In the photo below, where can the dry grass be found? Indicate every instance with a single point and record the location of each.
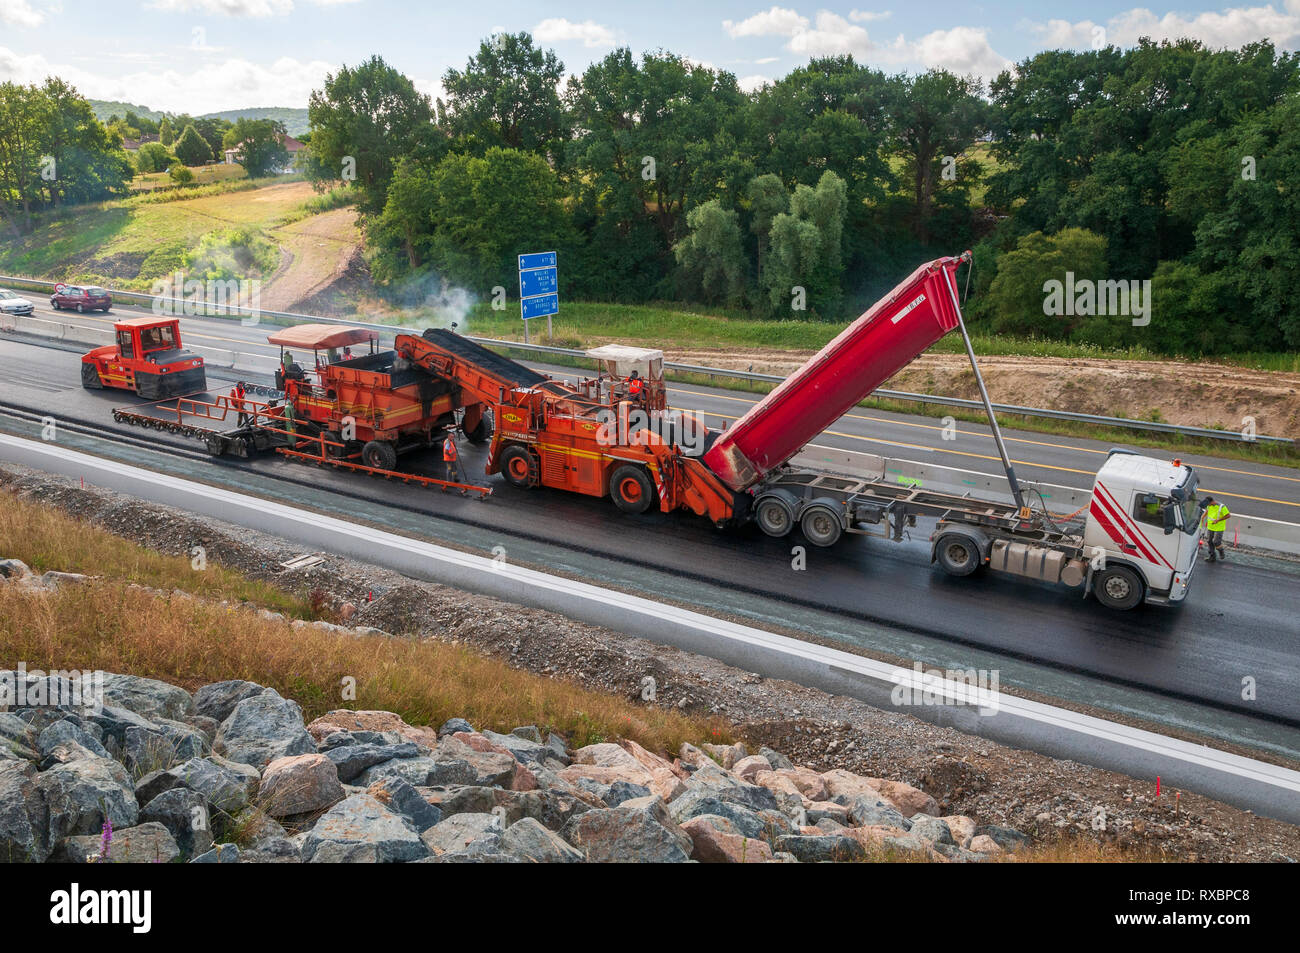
(111, 627)
(1075, 849)
(48, 539)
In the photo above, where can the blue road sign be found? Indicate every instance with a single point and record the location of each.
(541, 259)
(540, 306)
(539, 281)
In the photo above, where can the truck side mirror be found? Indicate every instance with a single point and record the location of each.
(1171, 519)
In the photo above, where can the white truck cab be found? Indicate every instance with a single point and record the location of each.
(1143, 530)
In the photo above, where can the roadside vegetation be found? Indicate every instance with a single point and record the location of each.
(106, 624)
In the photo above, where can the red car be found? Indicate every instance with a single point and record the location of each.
(89, 298)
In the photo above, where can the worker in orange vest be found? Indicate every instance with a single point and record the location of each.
(451, 457)
(237, 401)
(635, 386)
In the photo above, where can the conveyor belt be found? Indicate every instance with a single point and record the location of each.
(490, 361)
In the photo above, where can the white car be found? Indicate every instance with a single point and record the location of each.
(11, 303)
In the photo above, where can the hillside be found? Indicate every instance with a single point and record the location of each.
(105, 110)
(295, 120)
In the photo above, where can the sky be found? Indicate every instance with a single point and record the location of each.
(200, 56)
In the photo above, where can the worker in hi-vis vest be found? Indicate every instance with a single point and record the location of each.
(1216, 521)
(451, 457)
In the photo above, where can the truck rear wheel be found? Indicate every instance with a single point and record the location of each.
(90, 378)
(773, 516)
(957, 554)
(1118, 588)
(379, 455)
(821, 525)
(518, 466)
(631, 489)
(482, 431)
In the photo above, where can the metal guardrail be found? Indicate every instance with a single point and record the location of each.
(1126, 423)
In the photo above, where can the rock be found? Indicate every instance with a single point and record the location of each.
(961, 827)
(637, 831)
(489, 767)
(169, 743)
(453, 725)
(552, 809)
(264, 727)
(822, 810)
(727, 787)
(530, 840)
(693, 804)
(464, 834)
(14, 569)
(868, 810)
(1008, 838)
(821, 848)
(147, 697)
(557, 748)
(776, 759)
(218, 700)
(908, 844)
(710, 845)
(148, 843)
(908, 799)
(343, 719)
(18, 737)
(114, 721)
(351, 760)
(809, 783)
(300, 784)
(621, 791)
(847, 785)
(220, 854)
(81, 795)
(155, 783)
(746, 768)
(829, 825)
(667, 780)
(226, 792)
(726, 755)
(419, 771)
(525, 750)
(401, 797)
(984, 844)
(528, 733)
(53, 579)
(931, 830)
(359, 829)
(776, 783)
(67, 732)
(185, 815)
(23, 815)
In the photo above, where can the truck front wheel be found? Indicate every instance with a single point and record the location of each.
(519, 466)
(90, 378)
(631, 489)
(957, 554)
(1118, 588)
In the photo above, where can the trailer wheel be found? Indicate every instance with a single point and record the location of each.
(821, 525)
(482, 431)
(773, 516)
(379, 455)
(631, 489)
(1118, 588)
(90, 378)
(519, 467)
(959, 555)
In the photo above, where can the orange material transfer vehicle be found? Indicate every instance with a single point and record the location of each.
(360, 398)
(146, 357)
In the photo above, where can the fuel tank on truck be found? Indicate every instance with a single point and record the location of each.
(897, 328)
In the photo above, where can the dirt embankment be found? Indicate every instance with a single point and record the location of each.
(1191, 394)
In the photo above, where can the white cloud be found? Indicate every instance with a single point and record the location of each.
(763, 61)
(256, 9)
(1231, 27)
(750, 83)
(210, 87)
(867, 16)
(558, 30)
(962, 50)
(777, 21)
(832, 36)
(20, 13)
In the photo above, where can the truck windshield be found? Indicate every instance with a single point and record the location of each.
(156, 339)
(1191, 509)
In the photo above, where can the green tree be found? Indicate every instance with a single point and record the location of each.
(364, 121)
(507, 95)
(805, 249)
(166, 134)
(180, 173)
(712, 256)
(191, 148)
(261, 145)
(1017, 298)
(767, 198)
(153, 157)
